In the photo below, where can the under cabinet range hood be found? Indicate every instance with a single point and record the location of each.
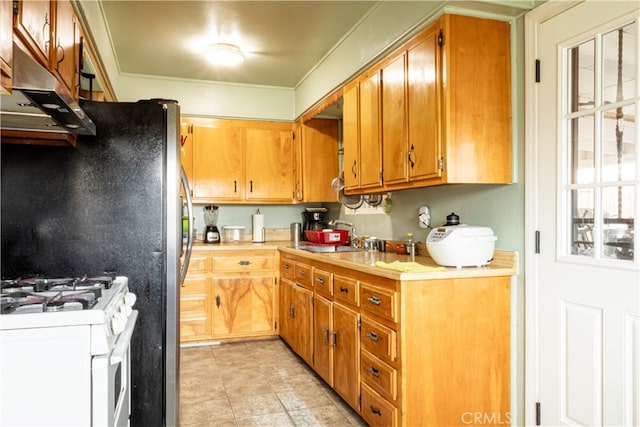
(39, 103)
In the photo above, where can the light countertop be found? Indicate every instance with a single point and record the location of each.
(505, 263)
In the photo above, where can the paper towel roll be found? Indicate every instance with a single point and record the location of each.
(258, 227)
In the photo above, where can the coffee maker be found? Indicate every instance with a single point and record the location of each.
(211, 233)
(313, 219)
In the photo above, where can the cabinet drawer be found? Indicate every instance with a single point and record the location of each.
(194, 285)
(379, 376)
(378, 340)
(378, 301)
(346, 290)
(193, 328)
(323, 282)
(197, 264)
(191, 306)
(248, 263)
(287, 268)
(376, 411)
(303, 275)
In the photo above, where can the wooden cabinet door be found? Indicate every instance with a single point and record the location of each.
(33, 26)
(195, 321)
(302, 323)
(394, 126)
(424, 112)
(322, 348)
(298, 165)
(6, 45)
(285, 308)
(218, 162)
(320, 159)
(370, 140)
(65, 60)
(346, 354)
(186, 152)
(351, 137)
(269, 163)
(242, 305)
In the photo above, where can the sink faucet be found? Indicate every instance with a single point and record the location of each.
(354, 237)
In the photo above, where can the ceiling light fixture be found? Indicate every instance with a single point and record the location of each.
(224, 54)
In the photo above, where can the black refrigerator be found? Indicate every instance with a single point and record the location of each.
(112, 203)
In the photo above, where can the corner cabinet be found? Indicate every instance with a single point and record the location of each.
(402, 353)
(445, 103)
(316, 160)
(229, 294)
(239, 161)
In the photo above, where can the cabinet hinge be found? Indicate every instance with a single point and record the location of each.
(537, 71)
(275, 325)
(15, 7)
(441, 163)
(538, 413)
(440, 39)
(360, 401)
(382, 176)
(190, 129)
(537, 242)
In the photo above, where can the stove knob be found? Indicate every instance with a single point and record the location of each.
(118, 323)
(124, 309)
(130, 298)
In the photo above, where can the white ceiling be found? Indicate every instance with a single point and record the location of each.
(282, 40)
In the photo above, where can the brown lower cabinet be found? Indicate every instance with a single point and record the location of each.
(401, 352)
(229, 294)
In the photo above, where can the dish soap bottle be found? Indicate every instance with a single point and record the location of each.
(411, 245)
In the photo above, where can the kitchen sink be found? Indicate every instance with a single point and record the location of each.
(327, 248)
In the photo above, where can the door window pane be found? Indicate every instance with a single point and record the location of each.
(617, 222)
(582, 204)
(618, 144)
(619, 67)
(581, 72)
(581, 134)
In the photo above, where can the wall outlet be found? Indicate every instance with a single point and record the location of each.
(424, 217)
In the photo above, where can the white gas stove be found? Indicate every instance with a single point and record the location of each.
(67, 343)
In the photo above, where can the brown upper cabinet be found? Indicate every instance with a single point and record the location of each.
(444, 110)
(238, 161)
(315, 160)
(6, 45)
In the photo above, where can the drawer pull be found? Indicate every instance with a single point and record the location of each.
(375, 410)
(372, 336)
(335, 339)
(345, 290)
(285, 266)
(326, 335)
(218, 301)
(244, 262)
(302, 273)
(320, 280)
(374, 300)
(291, 311)
(374, 371)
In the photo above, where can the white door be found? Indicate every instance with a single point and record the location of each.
(583, 341)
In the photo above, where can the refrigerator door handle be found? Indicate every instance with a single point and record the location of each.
(187, 256)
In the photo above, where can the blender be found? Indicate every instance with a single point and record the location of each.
(211, 233)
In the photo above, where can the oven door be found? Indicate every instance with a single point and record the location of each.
(111, 381)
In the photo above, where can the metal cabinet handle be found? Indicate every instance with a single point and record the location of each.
(374, 300)
(344, 290)
(335, 339)
(59, 48)
(218, 301)
(320, 280)
(243, 262)
(251, 186)
(353, 169)
(372, 336)
(326, 335)
(376, 411)
(285, 266)
(410, 157)
(235, 186)
(374, 371)
(291, 311)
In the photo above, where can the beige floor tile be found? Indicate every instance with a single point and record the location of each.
(281, 419)
(327, 416)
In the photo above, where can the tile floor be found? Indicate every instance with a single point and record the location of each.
(256, 383)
